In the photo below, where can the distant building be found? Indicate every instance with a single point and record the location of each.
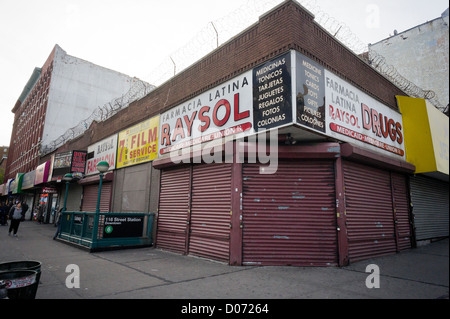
(421, 55)
(65, 91)
(3, 158)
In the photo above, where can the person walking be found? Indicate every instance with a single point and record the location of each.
(3, 214)
(24, 209)
(16, 216)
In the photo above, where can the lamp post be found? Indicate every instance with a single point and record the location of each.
(102, 167)
(67, 178)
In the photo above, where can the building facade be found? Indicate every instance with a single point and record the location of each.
(425, 46)
(57, 97)
(281, 147)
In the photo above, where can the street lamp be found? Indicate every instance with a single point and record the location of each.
(102, 167)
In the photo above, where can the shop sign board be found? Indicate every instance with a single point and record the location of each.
(122, 226)
(28, 180)
(272, 97)
(68, 162)
(223, 111)
(288, 89)
(42, 171)
(138, 144)
(328, 104)
(105, 150)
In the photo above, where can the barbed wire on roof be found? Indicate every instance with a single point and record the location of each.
(138, 90)
(220, 31)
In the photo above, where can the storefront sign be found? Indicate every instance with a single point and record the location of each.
(138, 144)
(310, 97)
(328, 104)
(355, 117)
(105, 150)
(41, 175)
(68, 162)
(49, 190)
(220, 112)
(28, 180)
(272, 93)
(121, 226)
(426, 136)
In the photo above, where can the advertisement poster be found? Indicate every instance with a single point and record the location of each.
(138, 144)
(310, 93)
(105, 150)
(355, 117)
(68, 162)
(272, 104)
(223, 111)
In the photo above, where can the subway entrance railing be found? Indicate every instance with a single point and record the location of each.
(99, 231)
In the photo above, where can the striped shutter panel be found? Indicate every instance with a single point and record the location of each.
(173, 209)
(402, 213)
(289, 218)
(369, 213)
(90, 197)
(430, 207)
(210, 211)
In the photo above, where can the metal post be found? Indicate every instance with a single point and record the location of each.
(97, 214)
(97, 210)
(65, 196)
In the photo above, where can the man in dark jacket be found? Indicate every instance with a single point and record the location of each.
(16, 216)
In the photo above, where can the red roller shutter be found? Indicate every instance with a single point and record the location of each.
(369, 213)
(289, 218)
(210, 211)
(173, 209)
(90, 197)
(402, 216)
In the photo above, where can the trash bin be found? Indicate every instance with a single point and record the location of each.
(20, 284)
(23, 265)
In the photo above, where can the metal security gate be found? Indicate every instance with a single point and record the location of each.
(377, 211)
(402, 216)
(90, 197)
(289, 218)
(174, 201)
(429, 198)
(194, 210)
(210, 211)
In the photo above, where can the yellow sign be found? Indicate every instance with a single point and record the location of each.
(138, 144)
(426, 135)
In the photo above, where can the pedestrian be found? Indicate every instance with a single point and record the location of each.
(16, 216)
(40, 213)
(24, 208)
(58, 222)
(3, 214)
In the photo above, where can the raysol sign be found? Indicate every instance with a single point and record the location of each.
(327, 104)
(354, 116)
(223, 111)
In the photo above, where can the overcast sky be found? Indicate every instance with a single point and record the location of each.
(135, 36)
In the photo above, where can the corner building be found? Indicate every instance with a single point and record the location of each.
(340, 190)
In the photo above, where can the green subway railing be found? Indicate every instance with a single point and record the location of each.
(98, 231)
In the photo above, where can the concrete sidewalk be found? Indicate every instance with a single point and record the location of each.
(421, 273)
